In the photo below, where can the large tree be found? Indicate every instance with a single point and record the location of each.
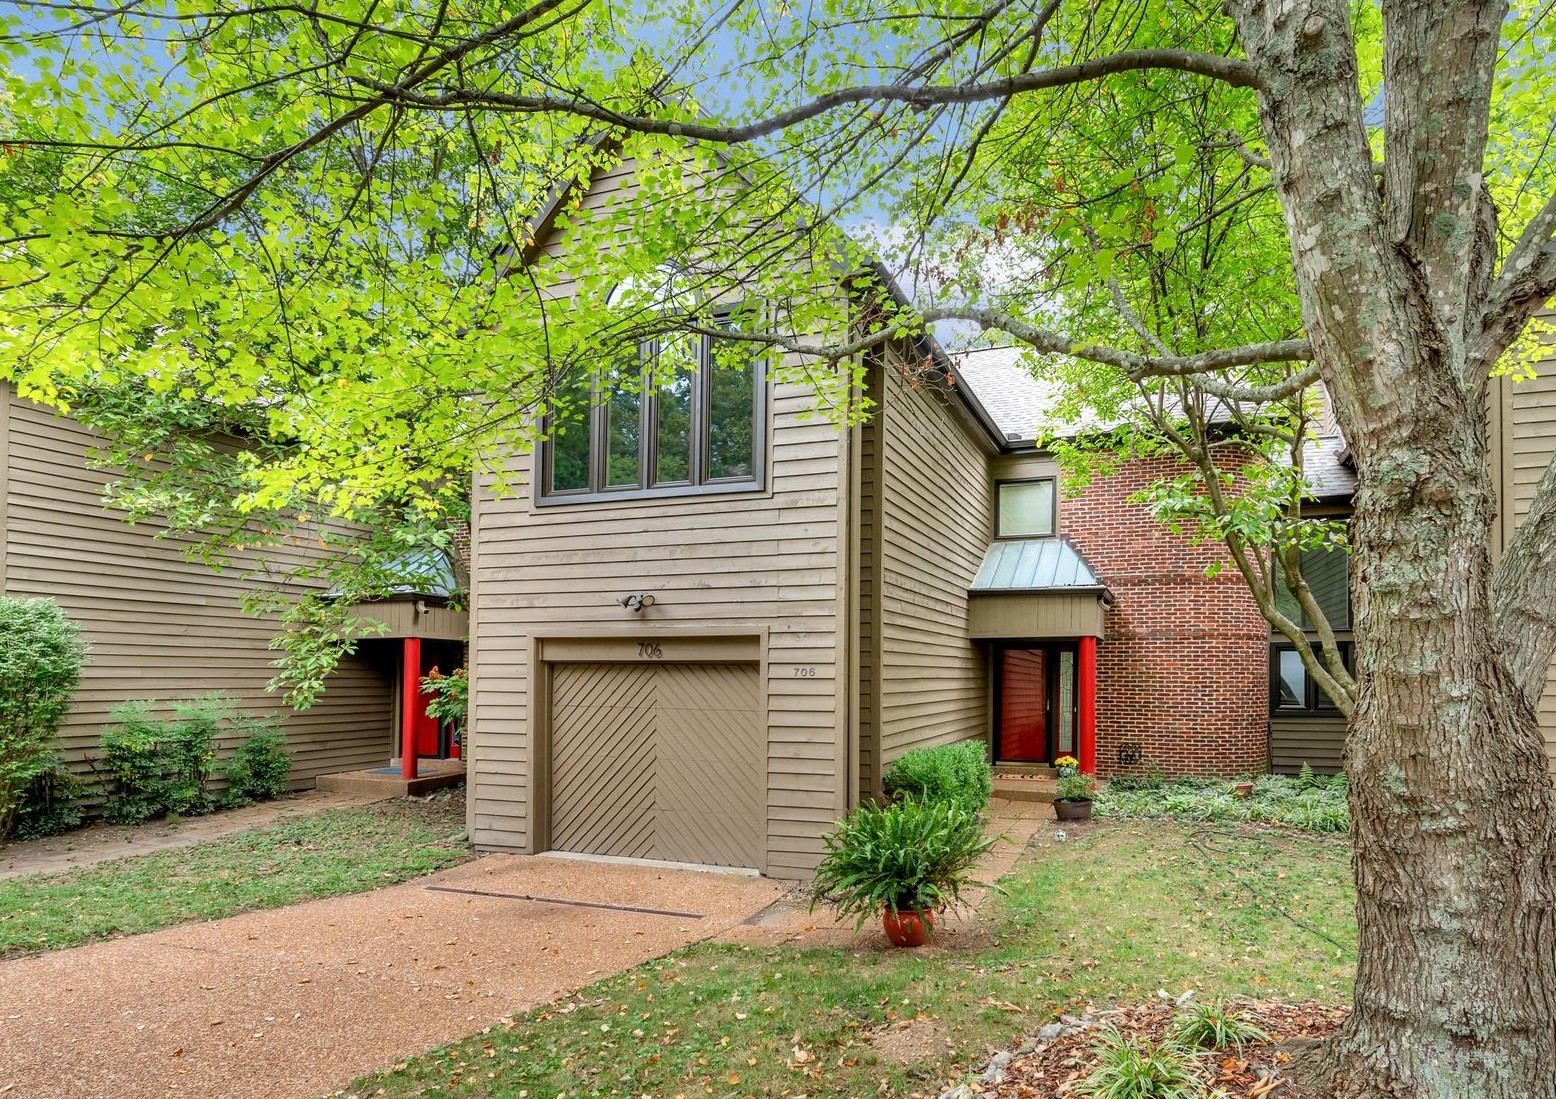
(323, 212)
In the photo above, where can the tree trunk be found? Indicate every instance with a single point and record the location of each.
(1450, 796)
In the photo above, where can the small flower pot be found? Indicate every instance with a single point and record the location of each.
(1242, 789)
(908, 928)
(1073, 809)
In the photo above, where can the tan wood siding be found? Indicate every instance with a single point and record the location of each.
(161, 626)
(403, 618)
(867, 723)
(1530, 412)
(1316, 741)
(1032, 617)
(765, 563)
(935, 525)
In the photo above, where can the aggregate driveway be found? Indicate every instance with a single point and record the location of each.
(300, 1001)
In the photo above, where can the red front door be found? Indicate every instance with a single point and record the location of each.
(1023, 723)
(1035, 695)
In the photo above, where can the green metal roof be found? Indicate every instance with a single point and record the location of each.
(1036, 564)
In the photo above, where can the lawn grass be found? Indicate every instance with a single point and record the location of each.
(345, 850)
(1114, 913)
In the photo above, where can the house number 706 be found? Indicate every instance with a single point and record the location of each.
(649, 650)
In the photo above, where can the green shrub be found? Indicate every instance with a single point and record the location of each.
(155, 766)
(261, 766)
(1129, 1069)
(1313, 803)
(1214, 1024)
(951, 772)
(51, 804)
(41, 653)
(908, 855)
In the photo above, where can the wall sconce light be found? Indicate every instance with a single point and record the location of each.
(636, 603)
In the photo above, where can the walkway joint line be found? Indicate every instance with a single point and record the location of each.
(560, 900)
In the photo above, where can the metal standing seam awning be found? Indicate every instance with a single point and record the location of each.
(1031, 589)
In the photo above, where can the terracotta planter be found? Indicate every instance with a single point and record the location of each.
(1242, 789)
(908, 928)
(1077, 809)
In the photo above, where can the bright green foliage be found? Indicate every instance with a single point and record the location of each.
(909, 855)
(41, 652)
(156, 766)
(1132, 1068)
(1314, 804)
(957, 773)
(260, 767)
(1214, 1024)
(450, 697)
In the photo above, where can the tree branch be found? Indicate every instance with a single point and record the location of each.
(1135, 365)
(1526, 282)
(1229, 70)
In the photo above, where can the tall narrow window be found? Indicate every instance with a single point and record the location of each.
(731, 405)
(677, 363)
(570, 436)
(624, 425)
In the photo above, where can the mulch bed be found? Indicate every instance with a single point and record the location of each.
(1257, 1072)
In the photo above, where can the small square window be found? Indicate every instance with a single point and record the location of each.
(1026, 509)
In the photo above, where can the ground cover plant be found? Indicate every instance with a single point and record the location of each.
(338, 851)
(1314, 803)
(1107, 915)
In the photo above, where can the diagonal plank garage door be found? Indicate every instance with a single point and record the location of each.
(661, 761)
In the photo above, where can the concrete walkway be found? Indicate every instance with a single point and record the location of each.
(102, 842)
(299, 1001)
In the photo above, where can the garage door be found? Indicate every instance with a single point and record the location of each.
(661, 761)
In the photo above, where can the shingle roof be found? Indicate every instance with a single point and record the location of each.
(1020, 404)
(1038, 564)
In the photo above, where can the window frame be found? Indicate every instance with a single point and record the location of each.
(1315, 703)
(999, 512)
(698, 483)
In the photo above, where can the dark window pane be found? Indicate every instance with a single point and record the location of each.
(570, 435)
(1325, 571)
(1026, 509)
(624, 425)
(1291, 681)
(731, 411)
(675, 368)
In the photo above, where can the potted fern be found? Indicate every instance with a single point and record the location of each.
(904, 862)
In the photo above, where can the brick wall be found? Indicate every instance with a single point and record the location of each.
(1183, 666)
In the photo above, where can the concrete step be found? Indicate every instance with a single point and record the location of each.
(1039, 788)
(431, 774)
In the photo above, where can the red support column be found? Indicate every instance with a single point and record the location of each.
(1087, 704)
(410, 696)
